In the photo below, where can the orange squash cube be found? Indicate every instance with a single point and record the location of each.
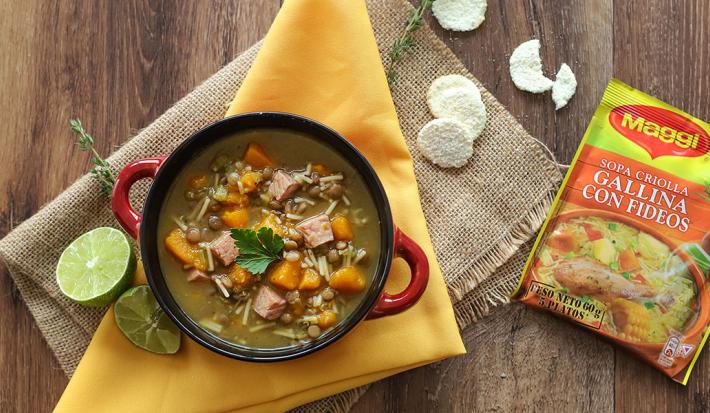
(240, 277)
(326, 319)
(311, 280)
(235, 198)
(188, 254)
(250, 180)
(269, 221)
(348, 280)
(342, 231)
(256, 156)
(235, 217)
(286, 274)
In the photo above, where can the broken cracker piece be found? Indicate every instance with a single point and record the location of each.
(526, 68)
(564, 86)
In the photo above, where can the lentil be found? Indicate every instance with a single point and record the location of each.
(214, 222)
(333, 256)
(193, 235)
(327, 294)
(313, 331)
(293, 256)
(335, 191)
(290, 245)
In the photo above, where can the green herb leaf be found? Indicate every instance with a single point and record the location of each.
(584, 298)
(406, 43)
(626, 275)
(649, 304)
(612, 226)
(254, 263)
(614, 265)
(257, 249)
(102, 171)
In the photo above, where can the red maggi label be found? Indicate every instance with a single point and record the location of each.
(659, 131)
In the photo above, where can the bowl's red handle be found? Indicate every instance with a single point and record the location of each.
(128, 217)
(406, 248)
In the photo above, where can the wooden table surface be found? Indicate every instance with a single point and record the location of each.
(119, 64)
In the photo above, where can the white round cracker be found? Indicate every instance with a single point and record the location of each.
(461, 104)
(447, 82)
(459, 15)
(446, 142)
(564, 87)
(526, 68)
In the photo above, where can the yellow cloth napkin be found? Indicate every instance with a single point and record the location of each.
(319, 60)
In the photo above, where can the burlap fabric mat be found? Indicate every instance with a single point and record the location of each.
(478, 215)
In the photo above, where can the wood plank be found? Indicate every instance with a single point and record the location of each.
(117, 66)
(662, 49)
(30, 377)
(519, 360)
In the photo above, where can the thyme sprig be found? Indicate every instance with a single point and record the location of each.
(405, 43)
(101, 170)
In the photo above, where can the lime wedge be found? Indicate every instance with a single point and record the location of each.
(96, 267)
(143, 322)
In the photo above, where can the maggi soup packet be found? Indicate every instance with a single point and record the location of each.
(625, 249)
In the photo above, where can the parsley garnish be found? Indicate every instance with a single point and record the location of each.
(649, 304)
(257, 250)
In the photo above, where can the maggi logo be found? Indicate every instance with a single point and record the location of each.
(659, 131)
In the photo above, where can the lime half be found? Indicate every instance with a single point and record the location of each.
(96, 267)
(141, 320)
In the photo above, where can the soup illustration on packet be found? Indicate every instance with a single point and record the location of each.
(625, 250)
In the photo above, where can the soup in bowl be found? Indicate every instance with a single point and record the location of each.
(648, 287)
(268, 236)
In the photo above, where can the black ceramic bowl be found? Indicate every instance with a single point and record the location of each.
(164, 170)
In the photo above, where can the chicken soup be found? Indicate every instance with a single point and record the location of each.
(269, 239)
(625, 249)
(647, 289)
